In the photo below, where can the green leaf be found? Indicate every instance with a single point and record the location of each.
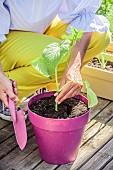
(64, 49)
(51, 54)
(92, 98)
(43, 67)
(73, 30)
(69, 37)
(65, 46)
(79, 35)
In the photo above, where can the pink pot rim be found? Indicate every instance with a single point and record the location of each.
(57, 124)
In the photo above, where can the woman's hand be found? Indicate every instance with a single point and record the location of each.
(7, 88)
(72, 89)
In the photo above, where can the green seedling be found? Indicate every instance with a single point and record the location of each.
(53, 55)
(102, 61)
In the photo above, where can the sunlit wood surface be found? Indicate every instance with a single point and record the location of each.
(96, 151)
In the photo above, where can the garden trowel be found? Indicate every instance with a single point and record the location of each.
(19, 124)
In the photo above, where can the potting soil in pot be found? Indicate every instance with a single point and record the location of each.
(95, 63)
(70, 108)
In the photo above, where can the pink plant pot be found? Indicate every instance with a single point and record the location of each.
(58, 139)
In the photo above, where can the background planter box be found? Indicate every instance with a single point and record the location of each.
(101, 81)
(110, 47)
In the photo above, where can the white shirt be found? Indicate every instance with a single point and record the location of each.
(36, 15)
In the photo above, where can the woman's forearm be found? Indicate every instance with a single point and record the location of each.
(73, 70)
(78, 52)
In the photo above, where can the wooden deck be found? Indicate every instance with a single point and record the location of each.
(96, 152)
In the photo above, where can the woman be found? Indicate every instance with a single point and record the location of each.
(26, 27)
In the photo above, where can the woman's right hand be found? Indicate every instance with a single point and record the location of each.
(7, 88)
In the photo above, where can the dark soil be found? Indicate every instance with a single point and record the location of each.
(70, 108)
(95, 63)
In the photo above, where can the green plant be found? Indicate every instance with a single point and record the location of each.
(102, 61)
(54, 54)
(106, 9)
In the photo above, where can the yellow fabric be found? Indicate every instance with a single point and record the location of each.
(21, 48)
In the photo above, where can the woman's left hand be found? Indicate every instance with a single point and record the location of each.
(73, 88)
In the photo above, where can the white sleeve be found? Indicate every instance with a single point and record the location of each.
(81, 15)
(4, 21)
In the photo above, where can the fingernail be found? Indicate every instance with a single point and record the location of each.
(55, 94)
(59, 102)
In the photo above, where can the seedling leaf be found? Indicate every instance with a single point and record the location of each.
(51, 54)
(64, 49)
(79, 35)
(92, 98)
(73, 31)
(65, 46)
(44, 68)
(69, 37)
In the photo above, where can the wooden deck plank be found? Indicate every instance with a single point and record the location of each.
(102, 103)
(92, 132)
(3, 123)
(8, 131)
(14, 157)
(100, 158)
(46, 166)
(109, 166)
(110, 123)
(10, 144)
(29, 162)
(106, 113)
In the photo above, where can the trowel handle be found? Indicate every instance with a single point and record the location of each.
(12, 107)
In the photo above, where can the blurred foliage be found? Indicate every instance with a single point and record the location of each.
(106, 9)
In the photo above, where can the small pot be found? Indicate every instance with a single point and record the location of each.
(58, 139)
